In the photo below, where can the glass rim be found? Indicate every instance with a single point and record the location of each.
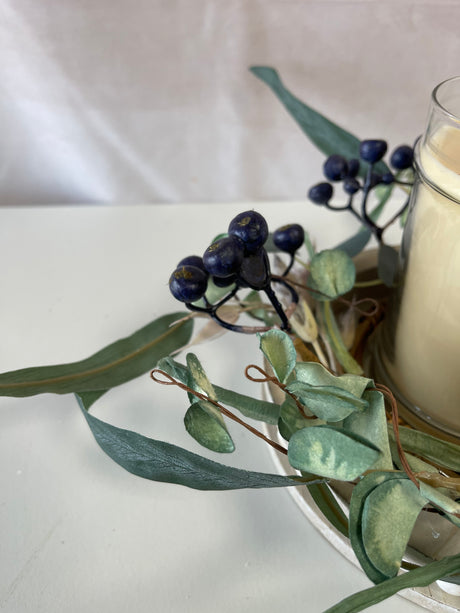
(421, 175)
(436, 93)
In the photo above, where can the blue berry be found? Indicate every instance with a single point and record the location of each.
(251, 228)
(193, 260)
(353, 168)
(188, 283)
(335, 168)
(224, 257)
(224, 281)
(320, 193)
(402, 157)
(372, 151)
(351, 186)
(388, 178)
(289, 238)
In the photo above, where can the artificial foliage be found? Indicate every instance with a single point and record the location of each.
(334, 423)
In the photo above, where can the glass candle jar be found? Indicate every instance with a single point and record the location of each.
(418, 353)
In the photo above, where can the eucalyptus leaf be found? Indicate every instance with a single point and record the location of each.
(419, 577)
(360, 492)
(356, 243)
(197, 377)
(389, 514)
(161, 461)
(330, 452)
(314, 373)
(248, 406)
(426, 446)
(291, 419)
(329, 507)
(439, 500)
(335, 338)
(115, 364)
(372, 425)
(325, 134)
(332, 274)
(388, 263)
(279, 350)
(207, 429)
(203, 420)
(329, 403)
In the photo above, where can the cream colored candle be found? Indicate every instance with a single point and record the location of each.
(426, 364)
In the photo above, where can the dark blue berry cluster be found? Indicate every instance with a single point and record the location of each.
(337, 168)
(237, 260)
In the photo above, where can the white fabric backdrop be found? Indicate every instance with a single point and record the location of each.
(115, 101)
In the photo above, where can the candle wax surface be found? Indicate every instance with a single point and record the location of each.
(426, 367)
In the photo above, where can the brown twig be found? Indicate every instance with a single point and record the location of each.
(395, 423)
(171, 381)
(271, 379)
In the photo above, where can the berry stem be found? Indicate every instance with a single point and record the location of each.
(278, 308)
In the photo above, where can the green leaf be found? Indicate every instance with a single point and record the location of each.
(279, 350)
(330, 452)
(372, 426)
(315, 374)
(389, 514)
(329, 403)
(419, 577)
(161, 461)
(335, 338)
(198, 379)
(291, 419)
(208, 430)
(332, 274)
(439, 500)
(247, 405)
(325, 134)
(329, 507)
(440, 452)
(115, 364)
(388, 262)
(355, 244)
(360, 492)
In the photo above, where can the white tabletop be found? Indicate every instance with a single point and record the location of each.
(78, 533)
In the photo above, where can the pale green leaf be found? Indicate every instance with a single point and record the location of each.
(330, 452)
(332, 274)
(279, 350)
(360, 492)
(314, 373)
(439, 499)
(291, 419)
(372, 426)
(207, 429)
(389, 514)
(329, 403)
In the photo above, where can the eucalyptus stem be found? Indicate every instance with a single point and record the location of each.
(344, 357)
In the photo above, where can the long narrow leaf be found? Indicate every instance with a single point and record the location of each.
(419, 577)
(161, 461)
(117, 363)
(324, 133)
